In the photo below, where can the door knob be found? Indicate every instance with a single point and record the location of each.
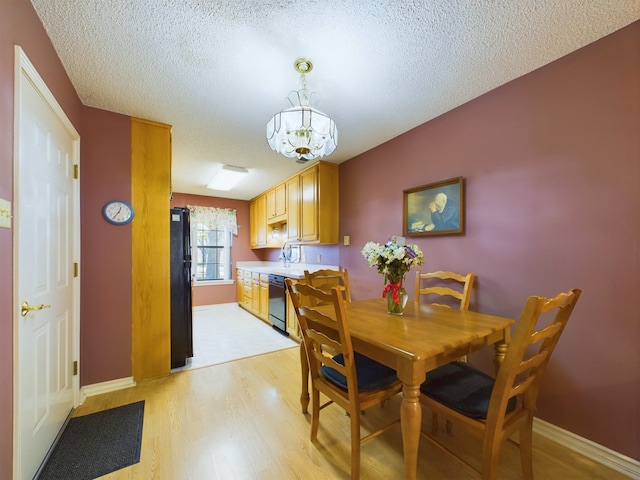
(26, 308)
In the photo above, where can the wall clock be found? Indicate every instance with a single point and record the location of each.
(117, 212)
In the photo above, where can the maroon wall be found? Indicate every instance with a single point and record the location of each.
(214, 294)
(19, 25)
(105, 308)
(551, 162)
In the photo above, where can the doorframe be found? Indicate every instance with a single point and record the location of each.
(22, 65)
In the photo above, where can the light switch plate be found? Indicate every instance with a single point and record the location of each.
(5, 213)
(347, 240)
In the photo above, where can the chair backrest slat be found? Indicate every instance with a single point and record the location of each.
(441, 284)
(522, 386)
(532, 362)
(326, 279)
(443, 292)
(559, 301)
(547, 332)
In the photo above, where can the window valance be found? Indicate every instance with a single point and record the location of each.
(215, 218)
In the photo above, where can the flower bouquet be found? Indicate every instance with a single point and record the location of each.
(393, 260)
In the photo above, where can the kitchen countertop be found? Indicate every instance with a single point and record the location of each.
(293, 270)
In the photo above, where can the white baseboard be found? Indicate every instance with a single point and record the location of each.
(614, 460)
(110, 386)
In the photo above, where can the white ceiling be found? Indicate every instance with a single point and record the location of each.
(217, 71)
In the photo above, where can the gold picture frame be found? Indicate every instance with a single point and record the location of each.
(434, 209)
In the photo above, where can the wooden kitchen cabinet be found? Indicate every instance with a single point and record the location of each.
(253, 296)
(312, 204)
(258, 221)
(276, 204)
(309, 205)
(252, 292)
(318, 204)
(253, 219)
(310, 208)
(293, 208)
(255, 293)
(240, 286)
(263, 311)
(248, 290)
(293, 328)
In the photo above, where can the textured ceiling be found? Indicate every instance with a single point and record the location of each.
(217, 71)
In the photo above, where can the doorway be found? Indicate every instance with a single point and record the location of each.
(46, 274)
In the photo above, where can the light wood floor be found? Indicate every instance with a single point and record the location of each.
(242, 421)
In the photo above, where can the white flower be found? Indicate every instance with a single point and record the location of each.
(392, 260)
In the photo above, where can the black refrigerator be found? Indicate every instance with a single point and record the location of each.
(181, 313)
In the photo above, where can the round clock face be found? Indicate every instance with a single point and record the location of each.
(118, 212)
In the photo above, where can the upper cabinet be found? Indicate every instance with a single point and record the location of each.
(308, 211)
(277, 204)
(318, 204)
(304, 208)
(293, 208)
(258, 222)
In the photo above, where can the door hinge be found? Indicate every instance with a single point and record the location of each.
(75, 269)
(76, 171)
(75, 367)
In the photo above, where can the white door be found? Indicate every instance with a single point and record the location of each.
(46, 242)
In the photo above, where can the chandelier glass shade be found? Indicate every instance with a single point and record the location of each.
(302, 132)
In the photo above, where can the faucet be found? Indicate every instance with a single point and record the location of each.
(285, 253)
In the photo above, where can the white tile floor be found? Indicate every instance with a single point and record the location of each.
(226, 332)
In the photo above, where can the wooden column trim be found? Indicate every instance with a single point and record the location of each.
(150, 195)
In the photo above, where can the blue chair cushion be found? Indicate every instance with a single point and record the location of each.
(371, 375)
(462, 388)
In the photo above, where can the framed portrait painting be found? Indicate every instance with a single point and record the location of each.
(434, 209)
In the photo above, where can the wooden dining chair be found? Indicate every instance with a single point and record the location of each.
(434, 287)
(326, 279)
(350, 380)
(444, 288)
(492, 410)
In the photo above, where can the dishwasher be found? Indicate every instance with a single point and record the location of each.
(278, 303)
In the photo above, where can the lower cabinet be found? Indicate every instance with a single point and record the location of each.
(239, 286)
(263, 311)
(253, 295)
(248, 291)
(293, 328)
(252, 292)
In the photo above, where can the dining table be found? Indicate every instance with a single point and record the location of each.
(423, 338)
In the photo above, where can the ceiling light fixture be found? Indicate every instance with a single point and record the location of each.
(227, 177)
(302, 131)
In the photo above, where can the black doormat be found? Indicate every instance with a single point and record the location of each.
(97, 444)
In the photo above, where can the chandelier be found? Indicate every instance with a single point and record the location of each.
(302, 131)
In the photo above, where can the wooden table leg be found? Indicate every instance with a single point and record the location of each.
(410, 420)
(304, 366)
(501, 351)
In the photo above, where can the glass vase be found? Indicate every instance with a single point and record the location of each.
(397, 308)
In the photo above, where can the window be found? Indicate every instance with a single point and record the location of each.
(212, 253)
(212, 231)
